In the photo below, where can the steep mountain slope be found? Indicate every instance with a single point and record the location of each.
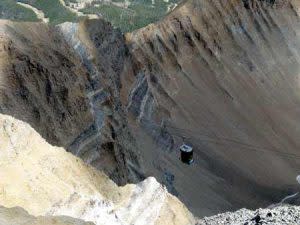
(47, 181)
(224, 76)
(45, 83)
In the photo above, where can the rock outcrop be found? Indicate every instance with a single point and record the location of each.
(102, 52)
(47, 181)
(285, 214)
(70, 102)
(18, 216)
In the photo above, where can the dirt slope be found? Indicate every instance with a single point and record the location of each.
(225, 74)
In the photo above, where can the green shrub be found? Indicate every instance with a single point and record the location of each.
(9, 9)
(53, 10)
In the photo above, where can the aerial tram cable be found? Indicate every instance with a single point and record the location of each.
(188, 134)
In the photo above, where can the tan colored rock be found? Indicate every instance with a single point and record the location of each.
(47, 181)
(18, 216)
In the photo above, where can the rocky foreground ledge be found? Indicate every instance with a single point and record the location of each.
(280, 215)
(41, 184)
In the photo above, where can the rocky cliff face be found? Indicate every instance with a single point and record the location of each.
(102, 51)
(70, 97)
(222, 76)
(52, 185)
(42, 82)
